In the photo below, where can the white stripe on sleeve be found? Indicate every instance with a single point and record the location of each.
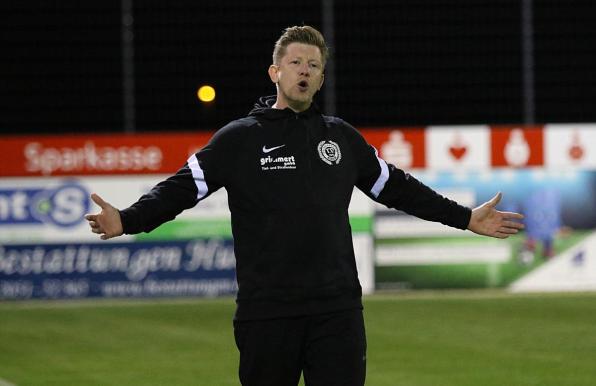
(199, 176)
(383, 177)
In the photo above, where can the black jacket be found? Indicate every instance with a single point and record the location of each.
(289, 178)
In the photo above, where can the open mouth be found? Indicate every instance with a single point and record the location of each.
(303, 85)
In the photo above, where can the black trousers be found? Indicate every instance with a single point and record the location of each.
(329, 349)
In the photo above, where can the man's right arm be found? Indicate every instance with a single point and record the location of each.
(163, 203)
(204, 173)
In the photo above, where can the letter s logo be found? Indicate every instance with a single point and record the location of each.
(70, 205)
(64, 206)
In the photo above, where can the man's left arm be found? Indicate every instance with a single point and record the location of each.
(397, 189)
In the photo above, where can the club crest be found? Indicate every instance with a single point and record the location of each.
(329, 152)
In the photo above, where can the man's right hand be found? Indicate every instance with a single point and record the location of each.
(106, 223)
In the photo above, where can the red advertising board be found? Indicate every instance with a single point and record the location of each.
(403, 147)
(104, 154)
(435, 147)
(517, 146)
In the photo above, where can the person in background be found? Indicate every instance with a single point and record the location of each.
(542, 211)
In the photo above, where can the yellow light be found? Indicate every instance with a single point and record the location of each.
(206, 93)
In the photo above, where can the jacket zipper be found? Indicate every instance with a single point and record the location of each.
(308, 176)
(308, 150)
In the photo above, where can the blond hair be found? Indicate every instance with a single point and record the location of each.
(300, 34)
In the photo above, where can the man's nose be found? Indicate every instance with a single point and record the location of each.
(305, 70)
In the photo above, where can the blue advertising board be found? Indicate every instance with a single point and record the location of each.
(200, 267)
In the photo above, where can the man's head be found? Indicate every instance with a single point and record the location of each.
(299, 59)
(300, 34)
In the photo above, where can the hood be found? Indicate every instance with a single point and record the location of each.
(262, 108)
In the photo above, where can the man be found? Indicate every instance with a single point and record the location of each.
(289, 172)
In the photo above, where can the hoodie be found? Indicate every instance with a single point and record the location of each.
(289, 178)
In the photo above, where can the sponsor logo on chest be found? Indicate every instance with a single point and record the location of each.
(272, 161)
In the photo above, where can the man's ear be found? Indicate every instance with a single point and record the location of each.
(273, 75)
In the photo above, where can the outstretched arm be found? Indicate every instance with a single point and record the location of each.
(106, 223)
(488, 221)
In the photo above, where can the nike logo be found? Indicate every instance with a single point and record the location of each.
(267, 150)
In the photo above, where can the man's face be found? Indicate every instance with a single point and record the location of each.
(298, 76)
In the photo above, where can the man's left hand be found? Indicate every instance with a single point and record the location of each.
(488, 221)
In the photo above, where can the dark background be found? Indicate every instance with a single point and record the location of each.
(397, 63)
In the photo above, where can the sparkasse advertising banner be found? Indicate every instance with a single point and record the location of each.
(105, 154)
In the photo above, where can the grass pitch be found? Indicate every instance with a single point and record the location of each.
(424, 338)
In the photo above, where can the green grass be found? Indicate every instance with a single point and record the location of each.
(428, 338)
(460, 340)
